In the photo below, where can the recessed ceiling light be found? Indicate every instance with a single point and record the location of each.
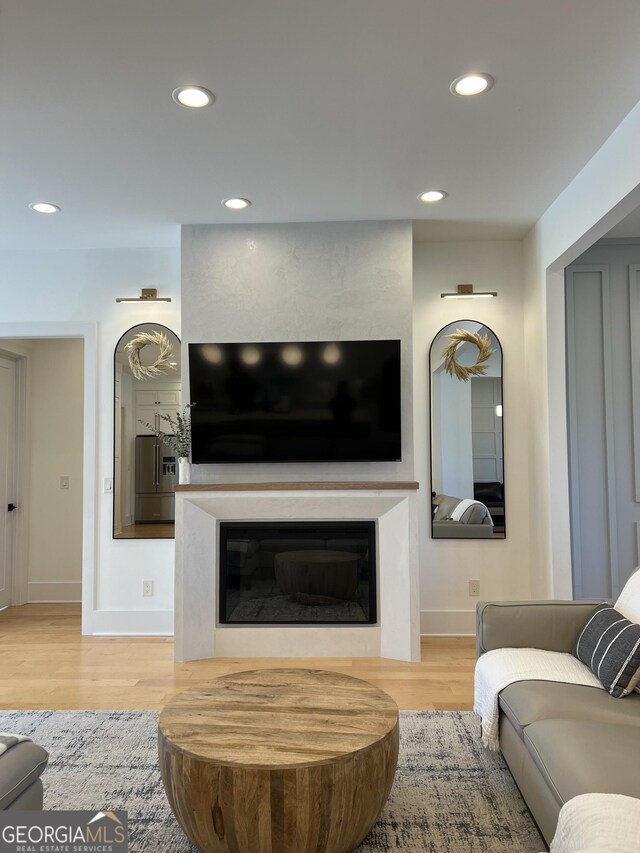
(44, 207)
(236, 203)
(430, 196)
(195, 97)
(472, 84)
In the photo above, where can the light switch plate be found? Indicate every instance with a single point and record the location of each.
(64, 482)
(108, 485)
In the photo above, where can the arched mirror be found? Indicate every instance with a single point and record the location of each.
(467, 446)
(146, 386)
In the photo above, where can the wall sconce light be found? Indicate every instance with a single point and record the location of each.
(465, 291)
(147, 294)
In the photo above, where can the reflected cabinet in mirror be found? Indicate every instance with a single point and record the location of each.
(467, 449)
(146, 386)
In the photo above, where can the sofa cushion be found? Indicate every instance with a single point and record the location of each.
(445, 506)
(578, 757)
(527, 702)
(610, 645)
(449, 529)
(20, 766)
(628, 602)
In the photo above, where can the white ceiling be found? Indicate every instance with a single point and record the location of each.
(325, 110)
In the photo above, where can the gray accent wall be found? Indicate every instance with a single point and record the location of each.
(301, 281)
(603, 408)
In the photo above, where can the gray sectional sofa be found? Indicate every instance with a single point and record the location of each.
(559, 740)
(475, 523)
(20, 770)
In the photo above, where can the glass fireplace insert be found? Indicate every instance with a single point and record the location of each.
(297, 573)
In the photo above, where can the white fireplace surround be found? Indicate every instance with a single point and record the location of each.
(199, 508)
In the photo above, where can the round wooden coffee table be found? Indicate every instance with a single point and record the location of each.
(279, 760)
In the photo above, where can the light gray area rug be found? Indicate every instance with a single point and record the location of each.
(450, 795)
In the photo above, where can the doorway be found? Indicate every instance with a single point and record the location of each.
(603, 376)
(7, 478)
(43, 456)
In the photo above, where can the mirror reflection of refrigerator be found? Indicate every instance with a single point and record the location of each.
(155, 481)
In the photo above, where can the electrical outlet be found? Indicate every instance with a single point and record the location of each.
(147, 588)
(108, 485)
(64, 482)
(474, 587)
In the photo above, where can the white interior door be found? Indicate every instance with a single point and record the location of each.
(7, 476)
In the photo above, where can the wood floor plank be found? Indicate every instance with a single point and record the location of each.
(47, 664)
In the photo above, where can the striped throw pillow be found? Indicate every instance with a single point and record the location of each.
(610, 646)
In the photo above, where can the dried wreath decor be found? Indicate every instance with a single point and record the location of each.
(460, 371)
(162, 363)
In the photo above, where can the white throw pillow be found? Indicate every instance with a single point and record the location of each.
(629, 601)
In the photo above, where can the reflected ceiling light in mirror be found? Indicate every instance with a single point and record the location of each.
(251, 355)
(147, 294)
(499, 410)
(292, 355)
(465, 291)
(331, 354)
(44, 207)
(194, 97)
(432, 196)
(471, 84)
(211, 353)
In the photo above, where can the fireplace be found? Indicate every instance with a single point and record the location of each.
(201, 509)
(297, 573)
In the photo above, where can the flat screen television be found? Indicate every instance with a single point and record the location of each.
(311, 401)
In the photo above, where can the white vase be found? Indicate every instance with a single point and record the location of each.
(184, 470)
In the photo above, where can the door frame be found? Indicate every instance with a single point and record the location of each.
(19, 540)
(88, 332)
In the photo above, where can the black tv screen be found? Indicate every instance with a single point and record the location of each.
(312, 401)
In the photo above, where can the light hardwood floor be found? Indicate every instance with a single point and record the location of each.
(46, 663)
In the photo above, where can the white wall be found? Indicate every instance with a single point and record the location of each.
(502, 566)
(47, 287)
(603, 193)
(80, 287)
(302, 281)
(453, 470)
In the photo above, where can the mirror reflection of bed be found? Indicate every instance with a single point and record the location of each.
(467, 457)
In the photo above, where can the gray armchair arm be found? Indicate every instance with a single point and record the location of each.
(551, 625)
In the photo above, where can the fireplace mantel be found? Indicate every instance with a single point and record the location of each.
(199, 509)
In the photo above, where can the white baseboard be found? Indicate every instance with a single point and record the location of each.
(54, 592)
(131, 623)
(149, 623)
(448, 623)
